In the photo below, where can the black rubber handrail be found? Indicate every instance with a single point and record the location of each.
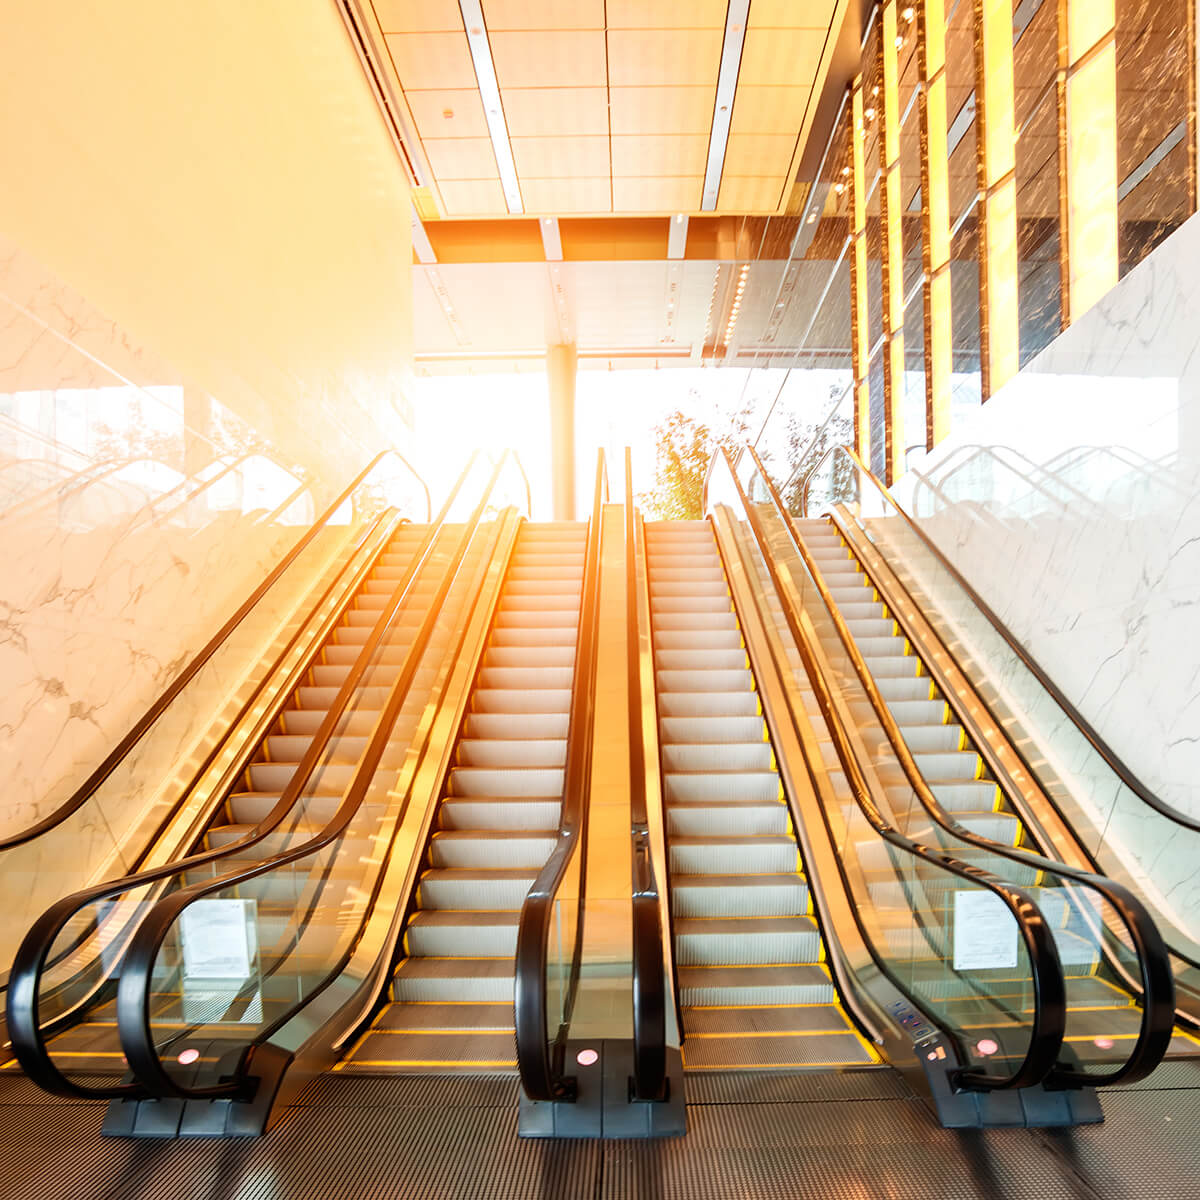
(93, 782)
(135, 990)
(540, 1057)
(1047, 1026)
(27, 1032)
(1154, 968)
(649, 986)
(1106, 752)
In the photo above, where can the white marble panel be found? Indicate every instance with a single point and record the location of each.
(1071, 501)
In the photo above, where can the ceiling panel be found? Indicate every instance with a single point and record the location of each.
(667, 14)
(771, 57)
(545, 112)
(549, 58)
(466, 117)
(769, 109)
(662, 109)
(553, 197)
(759, 153)
(432, 61)
(461, 158)
(659, 155)
(417, 16)
(543, 14)
(749, 193)
(473, 197)
(656, 195)
(640, 57)
(553, 157)
(518, 324)
(783, 14)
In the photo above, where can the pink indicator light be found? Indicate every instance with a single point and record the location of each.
(187, 1057)
(1104, 1043)
(987, 1046)
(587, 1058)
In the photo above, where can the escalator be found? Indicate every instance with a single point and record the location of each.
(150, 798)
(754, 988)
(312, 748)
(1046, 780)
(452, 994)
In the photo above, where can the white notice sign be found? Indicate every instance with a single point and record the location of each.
(985, 932)
(220, 939)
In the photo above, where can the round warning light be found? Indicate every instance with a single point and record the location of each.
(587, 1058)
(987, 1046)
(187, 1057)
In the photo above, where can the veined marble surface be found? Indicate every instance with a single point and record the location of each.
(1071, 502)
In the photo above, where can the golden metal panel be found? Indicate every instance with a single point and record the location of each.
(466, 119)
(666, 14)
(768, 109)
(473, 197)
(432, 61)
(643, 156)
(560, 157)
(648, 57)
(662, 109)
(781, 57)
(543, 14)
(549, 58)
(998, 322)
(552, 197)
(1087, 130)
(859, 325)
(759, 153)
(750, 193)
(552, 112)
(418, 16)
(935, 216)
(679, 194)
(891, 212)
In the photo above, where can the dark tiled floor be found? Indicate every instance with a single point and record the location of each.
(362, 1138)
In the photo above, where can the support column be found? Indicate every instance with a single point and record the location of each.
(560, 372)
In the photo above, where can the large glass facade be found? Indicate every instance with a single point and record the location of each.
(1086, 160)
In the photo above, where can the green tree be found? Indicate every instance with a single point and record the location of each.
(683, 449)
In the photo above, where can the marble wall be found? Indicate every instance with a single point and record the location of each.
(1071, 501)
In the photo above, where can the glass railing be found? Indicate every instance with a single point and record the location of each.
(1123, 829)
(550, 932)
(655, 1010)
(70, 965)
(972, 952)
(1110, 949)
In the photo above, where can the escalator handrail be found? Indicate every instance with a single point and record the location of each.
(649, 983)
(93, 782)
(538, 1061)
(31, 961)
(135, 989)
(1106, 752)
(1154, 968)
(1048, 1024)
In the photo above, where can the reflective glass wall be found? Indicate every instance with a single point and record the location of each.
(1005, 165)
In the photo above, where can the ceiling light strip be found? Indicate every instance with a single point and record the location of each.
(677, 237)
(551, 240)
(493, 109)
(727, 77)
